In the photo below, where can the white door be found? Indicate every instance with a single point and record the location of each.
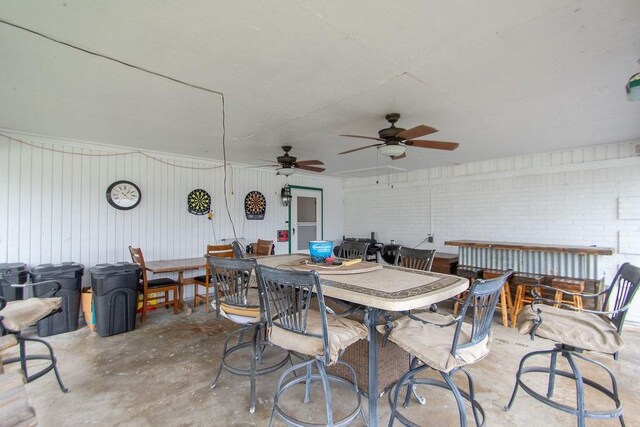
(306, 219)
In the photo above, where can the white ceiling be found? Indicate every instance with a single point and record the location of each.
(501, 77)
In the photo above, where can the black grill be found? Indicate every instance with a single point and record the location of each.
(372, 250)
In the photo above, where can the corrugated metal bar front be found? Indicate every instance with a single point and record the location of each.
(549, 263)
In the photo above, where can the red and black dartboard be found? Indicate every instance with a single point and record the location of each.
(255, 205)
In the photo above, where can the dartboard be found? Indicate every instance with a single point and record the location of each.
(255, 205)
(199, 202)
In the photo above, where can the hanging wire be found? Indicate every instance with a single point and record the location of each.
(157, 74)
(128, 153)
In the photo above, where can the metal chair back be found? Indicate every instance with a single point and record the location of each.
(353, 250)
(231, 279)
(238, 252)
(417, 259)
(621, 292)
(482, 300)
(287, 297)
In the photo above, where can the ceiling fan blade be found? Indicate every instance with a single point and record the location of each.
(267, 166)
(310, 168)
(401, 156)
(363, 137)
(308, 162)
(438, 145)
(270, 161)
(416, 132)
(361, 148)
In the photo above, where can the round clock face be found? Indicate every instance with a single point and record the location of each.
(123, 195)
(199, 202)
(255, 205)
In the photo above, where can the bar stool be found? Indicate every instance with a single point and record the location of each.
(506, 303)
(470, 272)
(524, 283)
(568, 285)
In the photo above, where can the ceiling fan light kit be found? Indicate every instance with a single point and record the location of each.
(286, 171)
(392, 150)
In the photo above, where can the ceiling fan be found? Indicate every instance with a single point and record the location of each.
(288, 163)
(395, 140)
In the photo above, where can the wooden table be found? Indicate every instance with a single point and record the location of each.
(387, 289)
(177, 266)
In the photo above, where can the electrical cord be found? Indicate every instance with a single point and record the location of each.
(157, 74)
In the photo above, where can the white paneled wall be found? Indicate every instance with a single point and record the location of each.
(568, 197)
(53, 206)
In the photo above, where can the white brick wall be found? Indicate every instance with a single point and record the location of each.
(568, 197)
(629, 208)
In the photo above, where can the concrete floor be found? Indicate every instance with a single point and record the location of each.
(160, 373)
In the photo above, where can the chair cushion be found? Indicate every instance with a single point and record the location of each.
(7, 341)
(242, 315)
(583, 330)
(432, 344)
(342, 333)
(164, 281)
(19, 315)
(202, 279)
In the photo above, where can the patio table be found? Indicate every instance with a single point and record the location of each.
(177, 266)
(386, 289)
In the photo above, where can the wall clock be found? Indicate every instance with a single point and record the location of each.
(124, 195)
(199, 202)
(255, 205)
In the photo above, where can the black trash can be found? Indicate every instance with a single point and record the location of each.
(69, 275)
(115, 297)
(14, 273)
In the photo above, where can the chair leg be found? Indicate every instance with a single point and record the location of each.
(252, 407)
(579, 389)
(206, 298)
(503, 308)
(472, 398)
(327, 392)
(166, 299)
(458, 397)
(519, 374)
(224, 352)
(614, 383)
(557, 298)
(411, 387)
(24, 357)
(307, 387)
(145, 301)
(552, 374)
(517, 305)
(175, 302)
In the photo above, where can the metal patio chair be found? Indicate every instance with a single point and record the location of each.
(417, 259)
(238, 251)
(220, 251)
(353, 250)
(239, 302)
(15, 316)
(319, 338)
(446, 344)
(576, 330)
